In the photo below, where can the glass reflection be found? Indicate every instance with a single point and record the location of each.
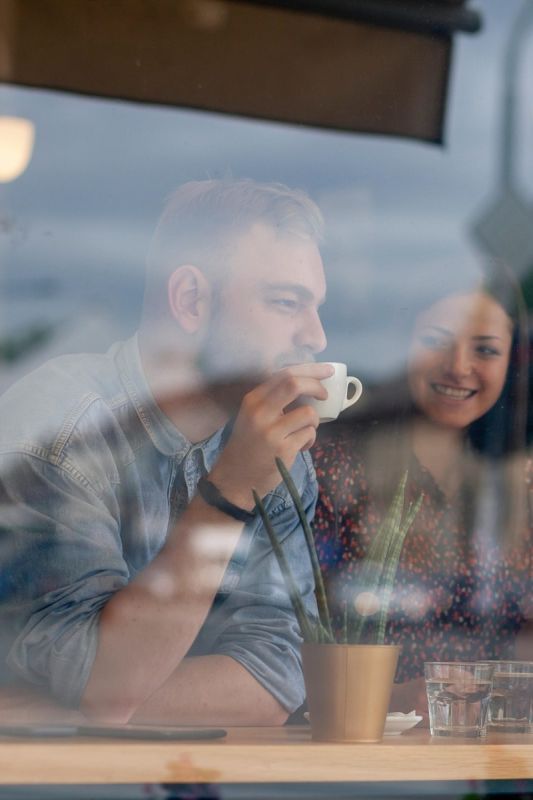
(405, 238)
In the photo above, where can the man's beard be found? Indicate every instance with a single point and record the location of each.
(231, 369)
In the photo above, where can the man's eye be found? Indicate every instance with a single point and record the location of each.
(286, 303)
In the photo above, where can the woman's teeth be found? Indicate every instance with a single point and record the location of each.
(455, 394)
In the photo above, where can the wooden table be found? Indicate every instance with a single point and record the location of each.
(257, 755)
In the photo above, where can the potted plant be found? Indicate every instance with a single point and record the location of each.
(349, 677)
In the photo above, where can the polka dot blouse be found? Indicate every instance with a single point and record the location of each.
(457, 596)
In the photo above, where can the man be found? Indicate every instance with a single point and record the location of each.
(139, 583)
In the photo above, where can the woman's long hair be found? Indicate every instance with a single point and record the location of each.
(501, 435)
(503, 429)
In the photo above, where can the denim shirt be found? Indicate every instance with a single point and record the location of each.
(92, 477)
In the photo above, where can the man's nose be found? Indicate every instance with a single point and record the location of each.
(460, 361)
(312, 334)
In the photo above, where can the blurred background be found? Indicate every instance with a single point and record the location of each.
(402, 213)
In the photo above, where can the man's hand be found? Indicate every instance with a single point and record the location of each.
(268, 427)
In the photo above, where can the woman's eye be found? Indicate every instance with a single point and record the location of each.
(433, 342)
(487, 351)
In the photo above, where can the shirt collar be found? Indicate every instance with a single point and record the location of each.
(164, 435)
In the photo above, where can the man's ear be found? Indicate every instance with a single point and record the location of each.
(188, 297)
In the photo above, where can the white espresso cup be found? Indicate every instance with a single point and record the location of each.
(338, 386)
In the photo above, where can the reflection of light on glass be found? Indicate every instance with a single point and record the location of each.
(16, 145)
(366, 604)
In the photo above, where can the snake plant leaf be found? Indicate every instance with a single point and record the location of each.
(320, 590)
(389, 576)
(377, 558)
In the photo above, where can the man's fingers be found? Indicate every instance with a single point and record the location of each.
(267, 426)
(286, 380)
(286, 391)
(294, 421)
(303, 439)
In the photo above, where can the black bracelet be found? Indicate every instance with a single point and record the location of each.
(211, 495)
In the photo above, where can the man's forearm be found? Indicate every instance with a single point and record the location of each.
(211, 690)
(146, 629)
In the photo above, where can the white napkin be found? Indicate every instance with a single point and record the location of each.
(402, 714)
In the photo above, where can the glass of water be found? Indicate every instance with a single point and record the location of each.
(511, 699)
(458, 697)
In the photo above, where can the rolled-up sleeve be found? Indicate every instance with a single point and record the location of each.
(61, 561)
(256, 624)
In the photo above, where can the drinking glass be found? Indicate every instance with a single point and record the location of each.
(511, 698)
(458, 697)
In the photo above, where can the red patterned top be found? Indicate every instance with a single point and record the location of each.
(457, 596)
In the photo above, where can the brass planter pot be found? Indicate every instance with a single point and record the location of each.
(348, 689)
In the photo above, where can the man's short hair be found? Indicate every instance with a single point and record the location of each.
(201, 218)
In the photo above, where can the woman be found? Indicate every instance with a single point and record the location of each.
(465, 576)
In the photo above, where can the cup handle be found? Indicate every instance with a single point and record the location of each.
(356, 383)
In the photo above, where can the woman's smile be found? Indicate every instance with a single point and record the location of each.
(454, 393)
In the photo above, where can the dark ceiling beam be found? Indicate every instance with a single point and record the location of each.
(241, 58)
(439, 18)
